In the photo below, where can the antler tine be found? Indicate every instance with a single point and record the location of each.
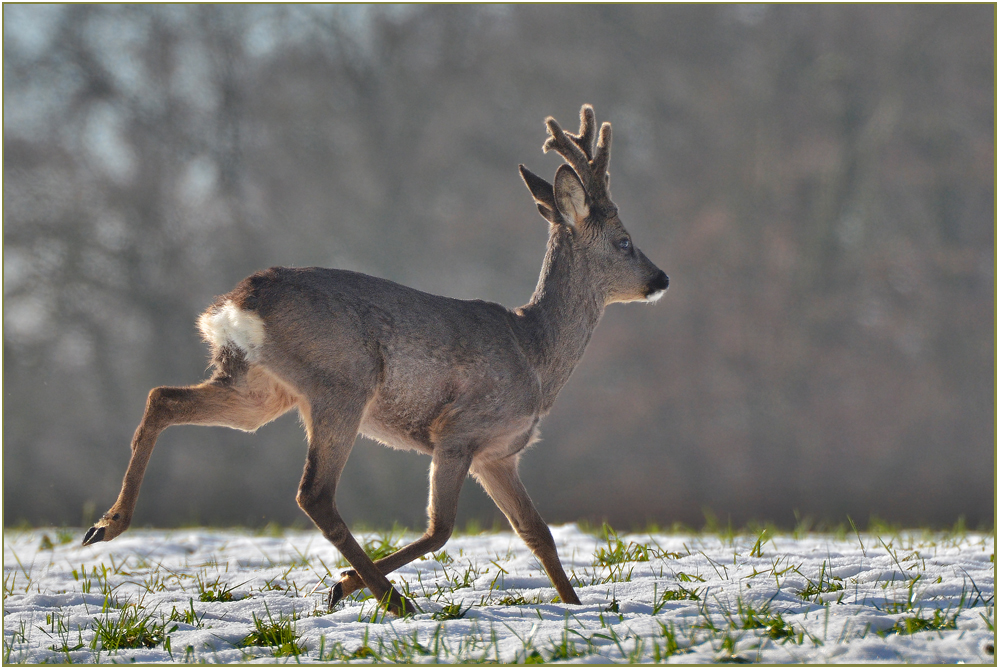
(585, 140)
(603, 155)
(569, 150)
(578, 150)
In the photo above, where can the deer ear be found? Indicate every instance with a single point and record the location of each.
(571, 197)
(541, 191)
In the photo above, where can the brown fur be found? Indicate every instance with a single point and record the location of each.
(464, 381)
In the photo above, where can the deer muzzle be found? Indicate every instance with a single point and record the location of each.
(657, 287)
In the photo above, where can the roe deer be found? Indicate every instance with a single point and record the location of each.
(464, 381)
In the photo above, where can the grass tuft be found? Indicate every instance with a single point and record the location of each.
(280, 635)
(762, 617)
(451, 611)
(129, 630)
(215, 592)
(188, 616)
(617, 551)
(917, 623)
(826, 583)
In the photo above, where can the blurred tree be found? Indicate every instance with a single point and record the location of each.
(819, 182)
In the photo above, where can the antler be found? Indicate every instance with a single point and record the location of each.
(578, 151)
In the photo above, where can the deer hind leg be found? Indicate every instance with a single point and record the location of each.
(501, 481)
(332, 431)
(246, 403)
(448, 472)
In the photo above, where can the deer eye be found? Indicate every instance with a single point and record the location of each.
(624, 244)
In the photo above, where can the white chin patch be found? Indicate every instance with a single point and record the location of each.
(653, 297)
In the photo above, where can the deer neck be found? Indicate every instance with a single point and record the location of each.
(556, 324)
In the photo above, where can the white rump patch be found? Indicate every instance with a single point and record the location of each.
(230, 325)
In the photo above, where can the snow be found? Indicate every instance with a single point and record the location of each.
(912, 597)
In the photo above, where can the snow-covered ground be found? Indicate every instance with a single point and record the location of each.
(231, 596)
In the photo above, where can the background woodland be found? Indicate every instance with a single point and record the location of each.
(818, 181)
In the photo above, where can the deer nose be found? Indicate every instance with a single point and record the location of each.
(660, 282)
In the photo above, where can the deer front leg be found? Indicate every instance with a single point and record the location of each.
(448, 472)
(501, 481)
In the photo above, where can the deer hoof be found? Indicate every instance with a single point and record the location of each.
(107, 528)
(336, 595)
(348, 584)
(93, 536)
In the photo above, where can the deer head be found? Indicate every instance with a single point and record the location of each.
(578, 204)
